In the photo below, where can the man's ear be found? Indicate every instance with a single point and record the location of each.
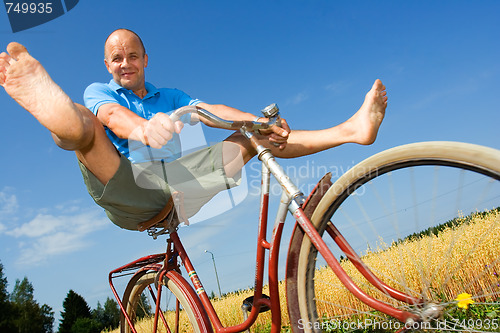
(107, 66)
(145, 60)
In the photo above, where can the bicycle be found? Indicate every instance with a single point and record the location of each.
(395, 279)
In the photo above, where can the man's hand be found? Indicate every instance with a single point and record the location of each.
(277, 136)
(158, 130)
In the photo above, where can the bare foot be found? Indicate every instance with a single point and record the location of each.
(27, 82)
(365, 123)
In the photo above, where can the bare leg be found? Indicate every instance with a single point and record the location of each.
(361, 128)
(72, 126)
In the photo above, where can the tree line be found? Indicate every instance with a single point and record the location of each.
(21, 313)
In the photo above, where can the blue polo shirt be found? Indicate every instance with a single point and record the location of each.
(157, 100)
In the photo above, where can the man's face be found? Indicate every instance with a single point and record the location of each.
(125, 60)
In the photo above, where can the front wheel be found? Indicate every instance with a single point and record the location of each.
(182, 311)
(425, 219)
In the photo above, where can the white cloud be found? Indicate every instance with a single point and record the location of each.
(41, 225)
(50, 245)
(8, 203)
(338, 88)
(298, 98)
(49, 235)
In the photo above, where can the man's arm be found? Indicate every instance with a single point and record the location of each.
(222, 111)
(276, 135)
(155, 132)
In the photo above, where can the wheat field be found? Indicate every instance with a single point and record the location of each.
(459, 259)
(460, 252)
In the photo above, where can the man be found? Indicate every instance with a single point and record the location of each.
(109, 173)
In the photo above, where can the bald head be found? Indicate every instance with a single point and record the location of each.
(125, 58)
(121, 34)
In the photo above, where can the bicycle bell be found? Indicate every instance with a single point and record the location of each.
(271, 110)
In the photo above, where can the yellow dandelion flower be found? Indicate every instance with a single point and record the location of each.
(464, 300)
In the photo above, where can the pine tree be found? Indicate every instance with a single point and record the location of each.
(6, 308)
(86, 325)
(74, 307)
(109, 315)
(4, 295)
(98, 314)
(30, 317)
(47, 318)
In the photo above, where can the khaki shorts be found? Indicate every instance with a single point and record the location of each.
(137, 192)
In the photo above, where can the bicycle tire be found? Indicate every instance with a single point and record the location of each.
(192, 318)
(308, 302)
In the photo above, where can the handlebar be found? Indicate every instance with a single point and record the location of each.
(227, 124)
(247, 127)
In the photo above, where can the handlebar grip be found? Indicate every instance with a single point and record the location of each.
(177, 114)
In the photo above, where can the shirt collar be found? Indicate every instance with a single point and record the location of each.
(151, 89)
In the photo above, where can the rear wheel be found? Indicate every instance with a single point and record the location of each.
(425, 219)
(182, 311)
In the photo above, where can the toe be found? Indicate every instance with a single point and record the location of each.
(16, 50)
(378, 85)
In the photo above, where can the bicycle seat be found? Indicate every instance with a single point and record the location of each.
(171, 215)
(160, 217)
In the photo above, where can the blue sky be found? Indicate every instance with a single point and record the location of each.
(316, 59)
